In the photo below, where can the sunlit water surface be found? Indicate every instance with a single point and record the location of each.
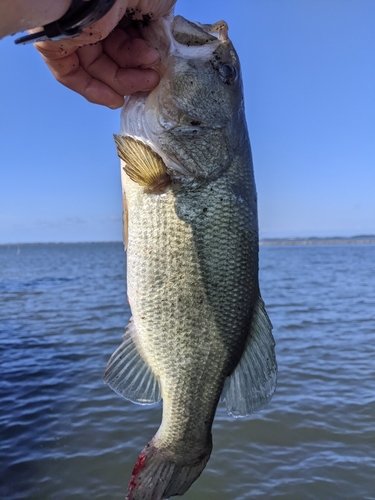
(65, 435)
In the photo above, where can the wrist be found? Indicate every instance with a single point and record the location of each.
(80, 15)
(22, 15)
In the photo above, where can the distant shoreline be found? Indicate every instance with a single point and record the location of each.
(333, 240)
(355, 240)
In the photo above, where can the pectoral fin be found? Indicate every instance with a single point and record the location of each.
(252, 384)
(142, 164)
(128, 374)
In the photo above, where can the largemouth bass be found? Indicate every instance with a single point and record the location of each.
(199, 329)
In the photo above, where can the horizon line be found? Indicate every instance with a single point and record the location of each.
(290, 239)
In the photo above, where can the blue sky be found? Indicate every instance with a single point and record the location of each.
(309, 77)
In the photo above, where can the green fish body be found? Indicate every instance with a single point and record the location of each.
(199, 330)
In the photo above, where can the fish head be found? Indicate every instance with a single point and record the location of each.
(201, 82)
(192, 118)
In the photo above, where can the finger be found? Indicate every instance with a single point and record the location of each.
(68, 71)
(50, 50)
(124, 81)
(128, 52)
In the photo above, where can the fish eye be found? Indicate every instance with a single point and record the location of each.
(228, 74)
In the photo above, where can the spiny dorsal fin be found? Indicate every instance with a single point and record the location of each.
(142, 164)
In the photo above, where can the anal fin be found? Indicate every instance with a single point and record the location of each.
(251, 385)
(129, 375)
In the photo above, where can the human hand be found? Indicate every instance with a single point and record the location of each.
(109, 60)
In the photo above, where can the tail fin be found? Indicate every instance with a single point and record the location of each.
(158, 476)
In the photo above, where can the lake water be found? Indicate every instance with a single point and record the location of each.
(65, 435)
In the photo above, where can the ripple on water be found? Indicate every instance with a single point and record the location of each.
(66, 435)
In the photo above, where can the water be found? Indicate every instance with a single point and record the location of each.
(65, 435)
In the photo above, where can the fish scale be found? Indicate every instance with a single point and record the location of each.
(183, 303)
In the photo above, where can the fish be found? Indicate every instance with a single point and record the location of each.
(199, 332)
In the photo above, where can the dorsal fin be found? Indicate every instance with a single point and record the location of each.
(142, 164)
(251, 385)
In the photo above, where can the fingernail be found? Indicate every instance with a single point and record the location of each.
(153, 57)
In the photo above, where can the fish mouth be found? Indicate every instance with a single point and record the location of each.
(193, 34)
(172, 36)
(177, 38)
(149, 116)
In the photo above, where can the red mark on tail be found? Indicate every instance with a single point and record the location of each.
(139, 466)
